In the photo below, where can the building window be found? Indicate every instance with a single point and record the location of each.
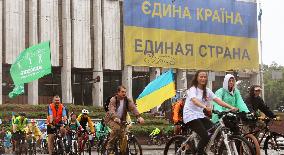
(112, 79)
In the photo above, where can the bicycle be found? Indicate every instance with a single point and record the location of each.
(31, 140)
(247, 120)
(2, 147)
(127, 145)
(225, 139)
(270, 145)
(43, 146)
(72, 143)
(155, 139)
(101, 135)
(20, 143)
(58, 141)
(85, 145)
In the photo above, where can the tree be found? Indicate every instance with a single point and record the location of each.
(274, 94)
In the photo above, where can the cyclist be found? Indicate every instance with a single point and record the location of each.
(118, 107)
(229, 94)
(19, 125)
(84, 119)
(7, 141)
(255, 102)
(198, 100)
(33, 128)
(73, 125)
(155, 132)
(177, 114)
(55, 118)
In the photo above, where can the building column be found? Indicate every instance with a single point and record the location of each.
(33, 40)
(127, 79)
(67, 55)
(1, 47)
(97, 90)
(154, 73)
(211, 78)
(181, 80)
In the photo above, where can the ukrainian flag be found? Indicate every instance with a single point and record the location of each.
(156, 92)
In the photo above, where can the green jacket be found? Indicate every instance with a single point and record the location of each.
(233, 98)
(21, 125)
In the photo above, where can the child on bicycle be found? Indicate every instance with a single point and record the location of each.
(73, 125)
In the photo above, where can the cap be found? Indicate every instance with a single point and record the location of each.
(33, 121)
(257, 88)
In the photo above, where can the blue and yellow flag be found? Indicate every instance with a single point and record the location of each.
(156, 92)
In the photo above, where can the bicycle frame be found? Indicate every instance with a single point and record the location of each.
(221, 128)
(265, 130)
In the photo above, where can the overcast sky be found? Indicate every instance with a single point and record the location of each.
(273, 31)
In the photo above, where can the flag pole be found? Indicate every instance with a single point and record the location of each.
(260, 38)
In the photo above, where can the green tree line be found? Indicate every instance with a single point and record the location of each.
(273, 89)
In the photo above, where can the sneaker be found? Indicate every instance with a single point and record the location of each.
(109, 152)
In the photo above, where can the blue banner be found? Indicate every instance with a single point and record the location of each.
(220, 17)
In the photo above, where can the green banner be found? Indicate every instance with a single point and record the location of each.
(32, 64)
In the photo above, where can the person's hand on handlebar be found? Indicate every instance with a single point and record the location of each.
(277, 118)
(140, 120)
(234, 109)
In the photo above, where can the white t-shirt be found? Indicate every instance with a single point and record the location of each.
(192, 111)
(120, 109)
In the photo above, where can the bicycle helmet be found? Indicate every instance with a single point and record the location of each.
(22, 114)
(33, 121)
(85, 111)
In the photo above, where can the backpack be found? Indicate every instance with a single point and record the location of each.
(180, 110)
(107, 101)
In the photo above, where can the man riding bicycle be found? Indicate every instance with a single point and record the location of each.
(118, 107)
(33, 129)
(55, 118)
(19, 125)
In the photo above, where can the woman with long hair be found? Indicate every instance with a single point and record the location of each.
(198, 99)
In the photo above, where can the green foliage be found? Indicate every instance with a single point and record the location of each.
(40, 111)
(147, 129)
(274, 94)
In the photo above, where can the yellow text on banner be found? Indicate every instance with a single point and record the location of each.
(188, 50)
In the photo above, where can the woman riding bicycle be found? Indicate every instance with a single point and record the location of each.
(198, 98)
(229, 94)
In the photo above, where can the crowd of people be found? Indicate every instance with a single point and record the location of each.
(199, 101)
(193, 110)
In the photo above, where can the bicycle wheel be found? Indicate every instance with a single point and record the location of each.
(254, 143)
(271, 145)
(60, 147)
(87, 148)
(134, 148)
(75, 148)
(238, 145)
(173, 146)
